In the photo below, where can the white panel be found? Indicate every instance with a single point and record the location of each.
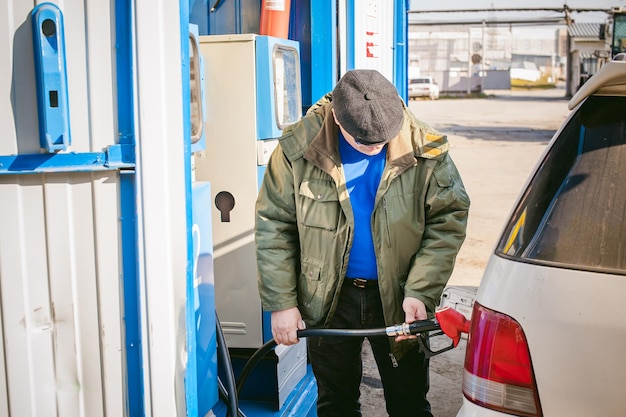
(231, 60)
(90, 61)
(61, 306)
(373, 37)
(18, 101)
(161, 204)
(77, 64)
(232, 148)
(109, 286)
(100, 23)
(73, 294)
(27, 325)
(60, 267)
(63, 292)
(89, 36)
(4, 398)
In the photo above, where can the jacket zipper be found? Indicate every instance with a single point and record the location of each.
(394, 361)
(387, 222)
(344, 266)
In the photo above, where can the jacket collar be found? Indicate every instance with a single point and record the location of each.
(324, 152)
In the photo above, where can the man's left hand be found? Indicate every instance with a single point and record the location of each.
(414, 310)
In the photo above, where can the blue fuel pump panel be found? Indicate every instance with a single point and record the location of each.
(51, 77)
(204, 328)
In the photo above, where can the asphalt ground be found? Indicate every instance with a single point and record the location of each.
(495, 143)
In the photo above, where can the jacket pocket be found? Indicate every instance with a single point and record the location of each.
(309, 289)
(450, 191)
(319, 204)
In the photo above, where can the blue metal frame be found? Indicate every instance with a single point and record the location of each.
(350, 30)
(198, 15)
(324, 69)
(324, 45)
(125, 71)
(115, 157)
(265, 104)
(401, 52)
(126, 126)
(132, 322)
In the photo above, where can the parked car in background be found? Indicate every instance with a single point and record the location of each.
(548, 327)
(423, 87)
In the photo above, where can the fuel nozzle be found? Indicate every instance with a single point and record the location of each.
(448, 321)
(424, 329)
(408, 329)
(452, 323)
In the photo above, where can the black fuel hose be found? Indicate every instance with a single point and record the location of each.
(215, 6)
(225, 397)
(418, 327)
(228, 392)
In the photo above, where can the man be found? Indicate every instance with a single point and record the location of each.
(359, 219)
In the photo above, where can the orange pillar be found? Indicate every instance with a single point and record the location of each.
(275, 18)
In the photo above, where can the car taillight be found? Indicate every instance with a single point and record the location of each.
(498, 371)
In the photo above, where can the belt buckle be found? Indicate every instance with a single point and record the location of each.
(359, 282)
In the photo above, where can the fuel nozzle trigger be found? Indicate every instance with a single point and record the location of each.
(424, 329)
(448, 322)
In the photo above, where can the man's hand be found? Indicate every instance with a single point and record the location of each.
(285, 323)
(414, 310)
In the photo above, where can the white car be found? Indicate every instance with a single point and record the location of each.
(423, 87)
(548, 327)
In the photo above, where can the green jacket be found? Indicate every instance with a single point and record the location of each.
(305, 224)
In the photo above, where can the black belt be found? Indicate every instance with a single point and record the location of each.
(363, 283)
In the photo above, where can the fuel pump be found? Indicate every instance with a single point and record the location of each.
(252, 87)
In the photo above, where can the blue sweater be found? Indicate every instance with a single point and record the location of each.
(363, 173)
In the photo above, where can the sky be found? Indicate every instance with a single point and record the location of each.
(424, 5)
(538, 31)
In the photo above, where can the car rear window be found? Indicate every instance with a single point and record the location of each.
(573, 213)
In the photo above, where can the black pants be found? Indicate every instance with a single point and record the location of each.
(338, 369)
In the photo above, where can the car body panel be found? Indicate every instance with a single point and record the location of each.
(571, 308)
(576, 332)
(469, 409)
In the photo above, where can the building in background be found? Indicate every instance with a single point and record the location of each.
(472, 58)
(587, 51)
(461, 58)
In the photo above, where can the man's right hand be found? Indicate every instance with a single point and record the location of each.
(285, 324)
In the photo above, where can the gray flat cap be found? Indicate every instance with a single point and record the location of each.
(368, 107)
